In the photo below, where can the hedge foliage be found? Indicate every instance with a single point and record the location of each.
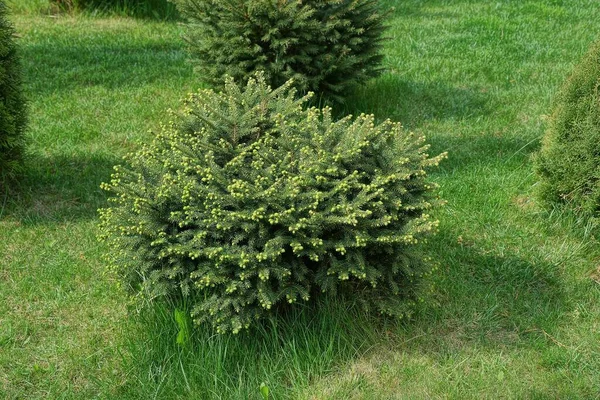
(12, 103)
(326, 46)
(569, 160)
(245, 201)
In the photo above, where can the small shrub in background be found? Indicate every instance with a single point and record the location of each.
(246, 201)
(569, 160)
(12, 103)
(326, 46)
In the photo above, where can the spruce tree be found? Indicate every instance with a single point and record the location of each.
(326, 46)
(246, 201)
(12, 104)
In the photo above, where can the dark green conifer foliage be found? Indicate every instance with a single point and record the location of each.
(246, 200)
(326, 46)
(12, 104)
(569, 160)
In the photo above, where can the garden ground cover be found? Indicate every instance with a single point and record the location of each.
(516, 305)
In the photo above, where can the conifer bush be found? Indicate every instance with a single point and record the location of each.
(569, 160)
(12, 103)
(326, 46)
(246, 201)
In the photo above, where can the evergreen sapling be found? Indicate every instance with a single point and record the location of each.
(246, 200)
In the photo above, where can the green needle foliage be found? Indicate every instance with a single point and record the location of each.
(12, 103)
(246, 200)
(326, 46)
(569, 161)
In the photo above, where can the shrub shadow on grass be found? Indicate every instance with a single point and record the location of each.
(93, 62)
(489, 298)
(485, 149)
(414, 103)
(59, 189)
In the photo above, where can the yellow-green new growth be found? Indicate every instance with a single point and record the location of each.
(248, 202)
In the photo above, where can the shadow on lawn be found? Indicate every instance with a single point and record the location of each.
(414, 103)
(59, 189)
(96, 62)
(489, 298)
(491, 149)
(417, 104)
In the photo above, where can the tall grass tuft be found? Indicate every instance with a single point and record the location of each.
(283, 353)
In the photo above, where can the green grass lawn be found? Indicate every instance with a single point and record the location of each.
(516, 308)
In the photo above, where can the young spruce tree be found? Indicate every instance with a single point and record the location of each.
(246, 200)
(326, 46)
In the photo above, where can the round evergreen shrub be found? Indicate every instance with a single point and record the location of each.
(326, 46)
(12, 103)
(569, 160)
(245, 201)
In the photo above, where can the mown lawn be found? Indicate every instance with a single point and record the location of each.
(516, 308)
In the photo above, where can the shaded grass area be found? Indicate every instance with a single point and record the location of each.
(514, 312)
(60, 189)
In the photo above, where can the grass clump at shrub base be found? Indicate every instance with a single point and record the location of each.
(246, 200)
(326, 46)
(12, 103)
(569, 160)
